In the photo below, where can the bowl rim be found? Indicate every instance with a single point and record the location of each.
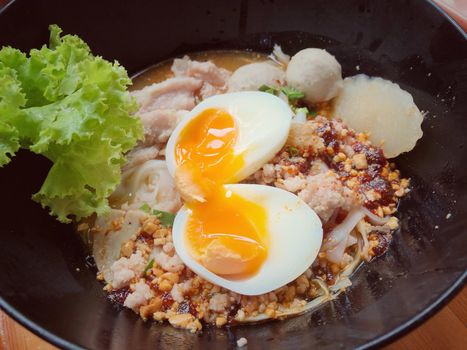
(445, 15)
(376, 342)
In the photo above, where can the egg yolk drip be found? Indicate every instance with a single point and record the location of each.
(226, 233)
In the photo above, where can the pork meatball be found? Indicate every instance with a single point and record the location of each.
(316, 73)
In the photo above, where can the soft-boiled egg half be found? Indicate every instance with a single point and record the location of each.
(250, 239)
(242, 130)
(262, 244)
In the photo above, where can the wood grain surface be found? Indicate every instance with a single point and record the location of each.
(447, 330)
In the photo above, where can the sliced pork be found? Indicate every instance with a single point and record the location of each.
(141, 154)
(174, 93)
(214, 79)
(159, 123)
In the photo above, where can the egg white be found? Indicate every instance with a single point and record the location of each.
(295, 236)
(263, 122)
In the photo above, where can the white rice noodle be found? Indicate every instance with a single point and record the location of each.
(375, 219)
(336, 254)
(333, 217)
(149, 183)
(323, 286)
(341, 232)
(343, 279)
(350, 268)
(364, 245)
(339, 238)
(279, 56)
(352, 239)
(341, 285)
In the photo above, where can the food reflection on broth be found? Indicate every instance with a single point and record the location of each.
(250, 198)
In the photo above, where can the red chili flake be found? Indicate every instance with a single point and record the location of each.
(149, 278)
(373, 155)
(167, 301)
(383, 243)
(329, 136)
(187, 307)
(118, 296)
(381, 186)
(232, 312)
(145, 237)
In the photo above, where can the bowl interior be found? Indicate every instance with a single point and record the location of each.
(47, 283)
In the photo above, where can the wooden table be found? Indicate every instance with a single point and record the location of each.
(446, 330)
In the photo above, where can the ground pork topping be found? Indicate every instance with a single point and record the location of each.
(125, 269)
(140, 295)
(219, 302)
(169, 263)
(324, 193)
(303, 135)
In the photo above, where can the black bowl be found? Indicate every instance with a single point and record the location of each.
(45, 281)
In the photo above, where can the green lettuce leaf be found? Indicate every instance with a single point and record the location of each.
(9, 142)
(74, 108)
(11, 99)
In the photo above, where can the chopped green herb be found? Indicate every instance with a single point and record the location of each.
(313, 113)
(166, 219)
(308, 112)
(293, 151)
(146, 208)
(148, 267)
(292, 94)
(268, 89)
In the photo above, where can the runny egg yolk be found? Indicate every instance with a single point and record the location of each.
(226, 233)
